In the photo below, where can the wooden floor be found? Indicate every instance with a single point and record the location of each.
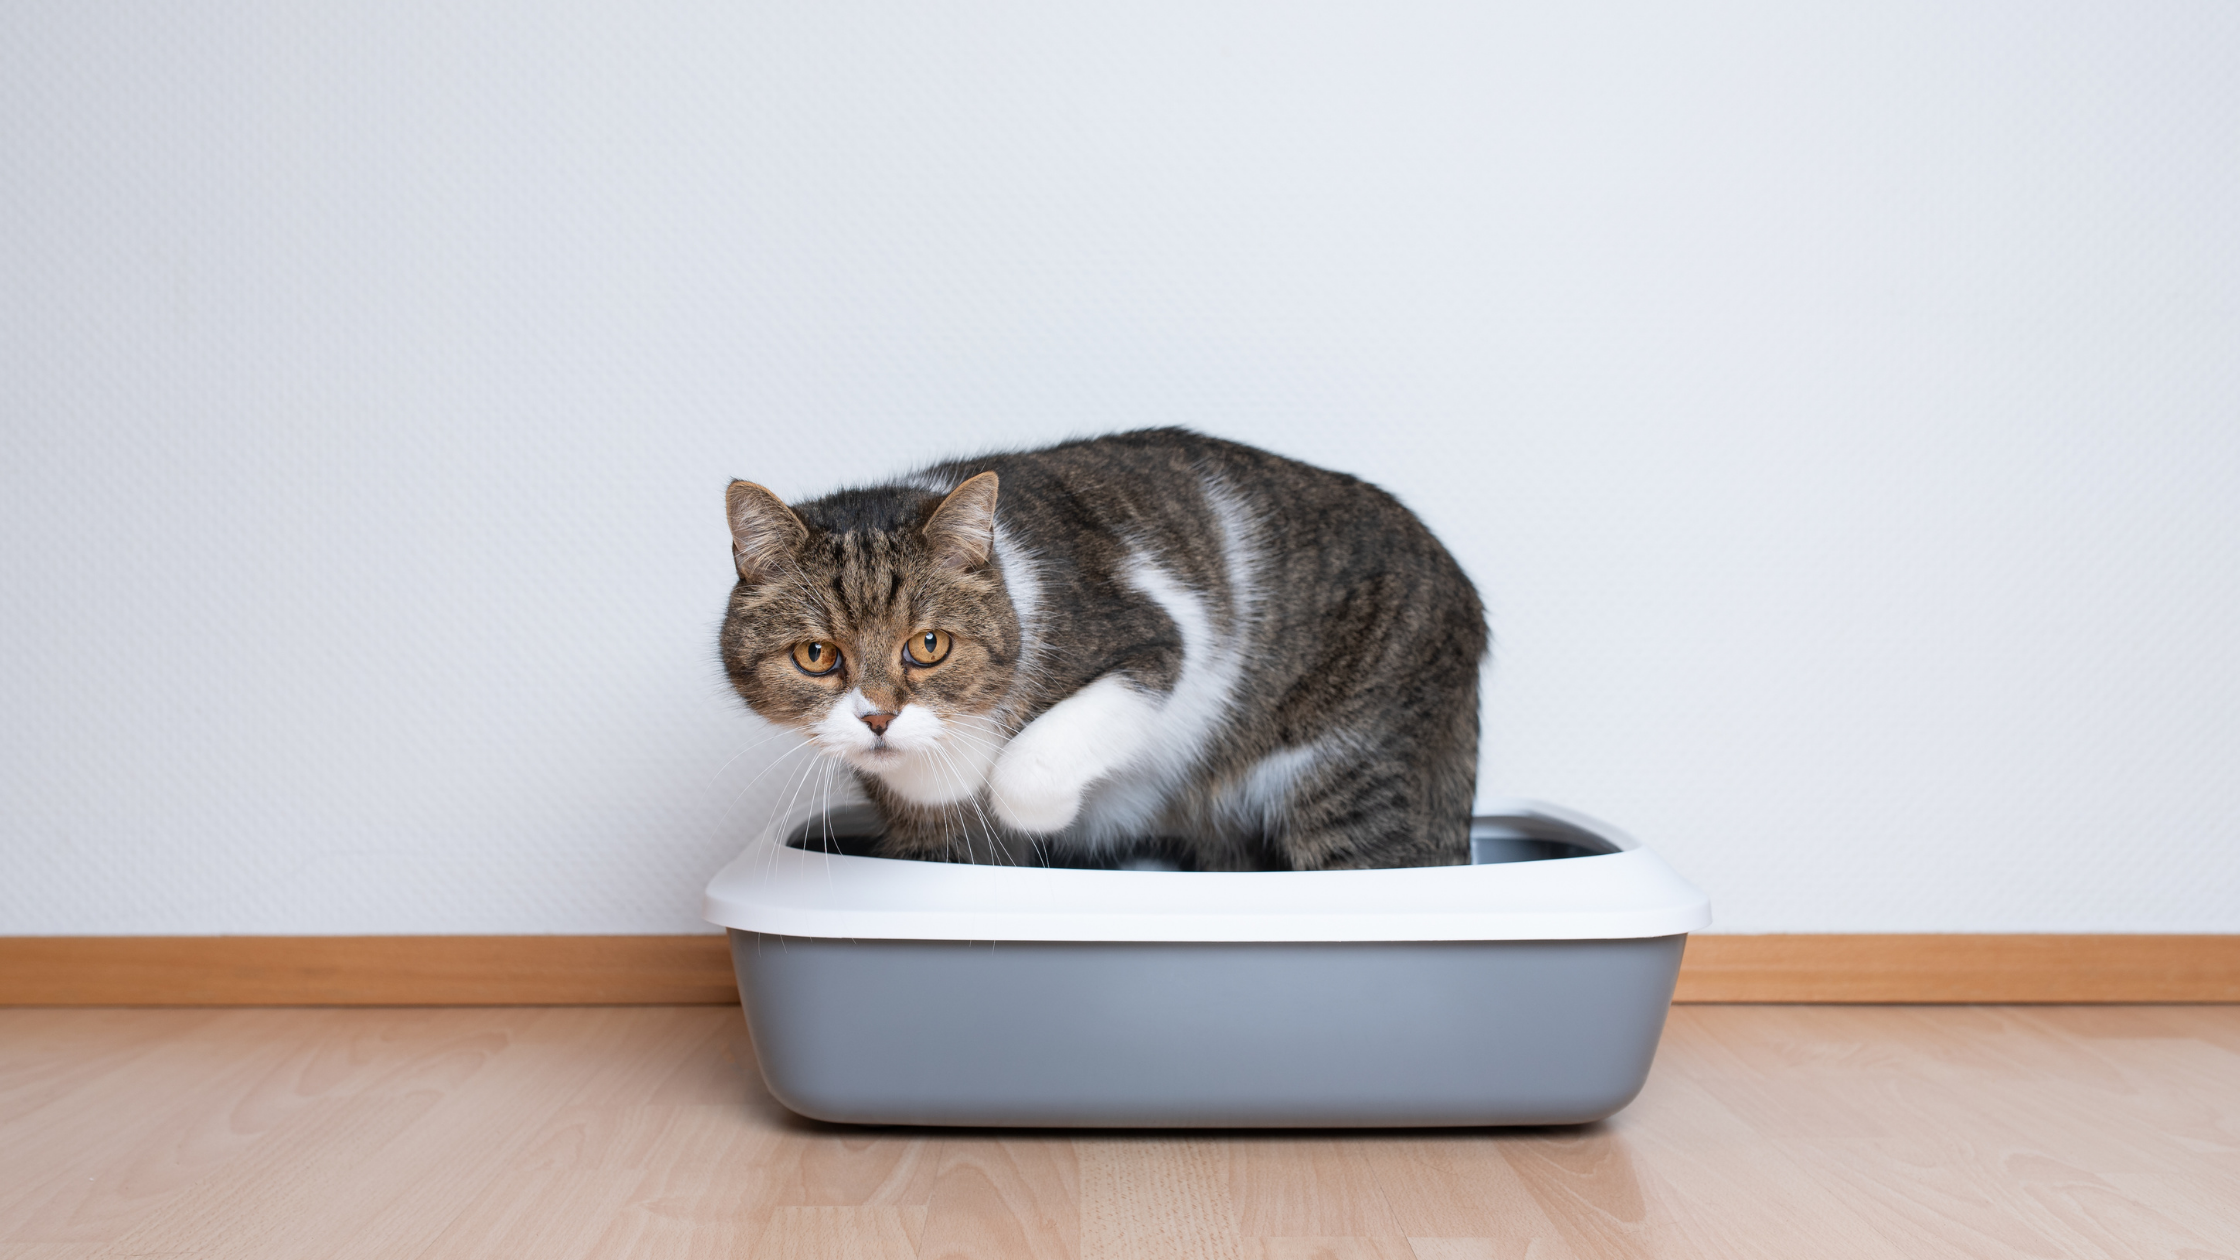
(1776, 1131)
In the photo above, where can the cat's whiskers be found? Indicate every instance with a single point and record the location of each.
(973, 844)
(783, 817)
(948, 766)
(993, 739)
(772, 835)
(830, 771)
(780, 818)
(823, 813)
(748, 786)
(957, 829)
(825, 818)
(777, 732)
(990, 736)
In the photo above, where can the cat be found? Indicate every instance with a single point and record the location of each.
(1154, 642)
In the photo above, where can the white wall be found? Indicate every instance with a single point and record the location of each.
(1839, 406)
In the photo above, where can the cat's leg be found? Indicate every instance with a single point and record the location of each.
(1392, 711)
(1396, 803)
(1393, 780)
(1038, 780)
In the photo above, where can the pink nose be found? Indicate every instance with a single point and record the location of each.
(878, 722)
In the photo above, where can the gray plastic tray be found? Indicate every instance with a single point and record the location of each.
(1212, 1034)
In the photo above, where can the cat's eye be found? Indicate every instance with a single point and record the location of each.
(816, 658)
(926, 647)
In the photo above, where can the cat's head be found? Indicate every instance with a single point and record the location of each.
(876, 622)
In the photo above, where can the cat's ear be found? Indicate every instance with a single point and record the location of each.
(764, 531)
(962, 532)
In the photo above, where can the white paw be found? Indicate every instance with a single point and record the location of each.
(1029, 797)
(1041, 775)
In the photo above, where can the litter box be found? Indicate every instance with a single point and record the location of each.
(1527, 988)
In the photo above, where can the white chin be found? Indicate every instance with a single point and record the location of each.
(929, 776)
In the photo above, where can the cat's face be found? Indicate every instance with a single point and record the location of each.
(875, 623)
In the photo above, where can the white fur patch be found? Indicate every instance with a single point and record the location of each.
(1130, 803)
(1240, 557)
(1023, 583)
(841, 729)
(1257, 799)
(1039, 779)
(925, 759)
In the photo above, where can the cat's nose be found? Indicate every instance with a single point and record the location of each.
(877, 722)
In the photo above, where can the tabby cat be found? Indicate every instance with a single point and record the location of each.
(1151, 643)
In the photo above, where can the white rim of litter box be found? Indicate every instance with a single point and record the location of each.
(1631, 893)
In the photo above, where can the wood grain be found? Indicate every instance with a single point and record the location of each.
(1013, 1196)
(1790, 1131)
(364, 970)
(672, 970)
(1960, 968)
(1149, 1198)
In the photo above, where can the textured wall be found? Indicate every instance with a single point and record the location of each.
(1839, 406)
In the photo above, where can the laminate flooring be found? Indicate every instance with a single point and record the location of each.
(1775, 1131)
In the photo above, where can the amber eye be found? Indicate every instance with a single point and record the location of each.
(816, 659)
(926, 647)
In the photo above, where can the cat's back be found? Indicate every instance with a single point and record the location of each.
(1173, 477)
(1208, 509)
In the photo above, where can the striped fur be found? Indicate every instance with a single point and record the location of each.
(1159, 642)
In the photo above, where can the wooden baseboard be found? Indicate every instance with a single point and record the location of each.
(696, 970)
(365, 971)
(1960, 968)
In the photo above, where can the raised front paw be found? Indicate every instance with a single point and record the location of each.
(1031, 797)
